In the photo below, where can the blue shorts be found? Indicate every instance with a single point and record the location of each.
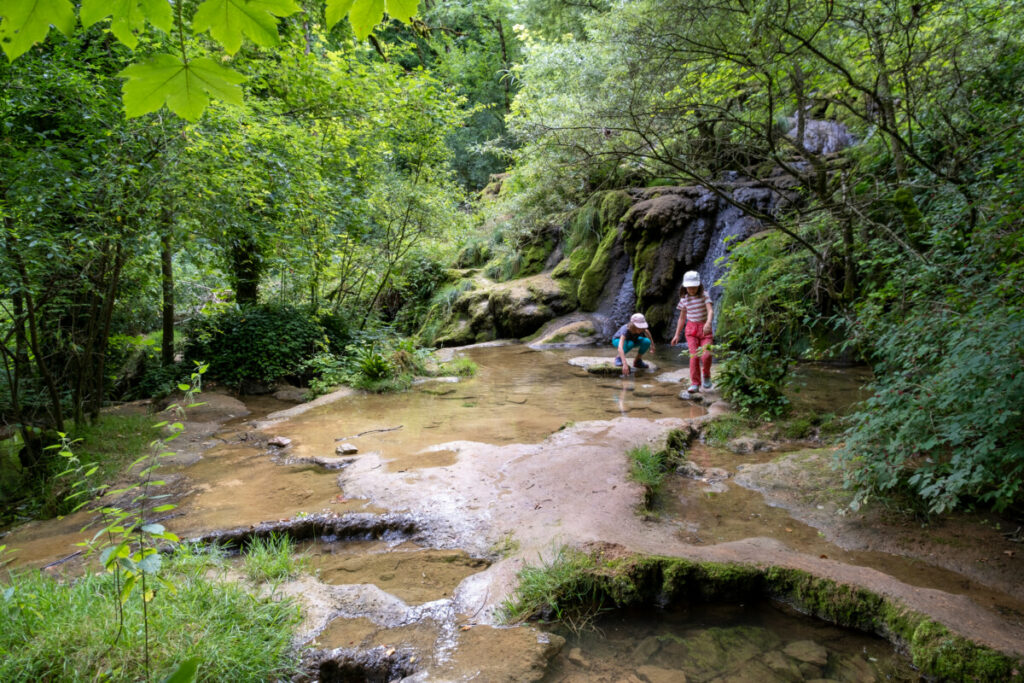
(643, 343)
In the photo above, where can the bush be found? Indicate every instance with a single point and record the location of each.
(944, 422)
(255, 344)
(762, 323)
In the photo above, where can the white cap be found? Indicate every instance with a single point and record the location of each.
(691, 279)
(637, 320)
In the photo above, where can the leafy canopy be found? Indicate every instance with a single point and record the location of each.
(176, 78)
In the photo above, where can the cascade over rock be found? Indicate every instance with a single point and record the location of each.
(622, 252)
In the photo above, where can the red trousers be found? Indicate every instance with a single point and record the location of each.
(696, 341)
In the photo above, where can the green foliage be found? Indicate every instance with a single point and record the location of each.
(40, 615)
(108, 445)
(261, 343)
(561, 589)
(725, 428)
(179, 79)
(944, 422)
(762, 323)
(272, 559)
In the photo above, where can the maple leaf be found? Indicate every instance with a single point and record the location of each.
(186, 88)
(364, 15)
(27, 22)
(129, 16)
(403, 10)
(228, 20)
(336, 11)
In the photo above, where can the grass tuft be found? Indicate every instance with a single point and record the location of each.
(272, 559)
(562, 589)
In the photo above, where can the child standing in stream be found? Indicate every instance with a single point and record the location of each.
(633, 334)
(695, 310)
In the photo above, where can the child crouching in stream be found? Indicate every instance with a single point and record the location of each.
(695, 310)
(634, 334)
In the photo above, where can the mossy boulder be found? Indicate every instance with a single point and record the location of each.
(535, 255)
(516, 308)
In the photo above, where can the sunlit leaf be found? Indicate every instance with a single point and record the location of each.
(27, 22)
(126, 590)
(336, 11)
(365, 15)
(186, 89)
(153, 528)
(159, 14)
(403, 10)
(228, 20)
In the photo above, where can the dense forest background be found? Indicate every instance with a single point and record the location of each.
(298, 216)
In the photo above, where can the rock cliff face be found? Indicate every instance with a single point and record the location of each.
(624, 251)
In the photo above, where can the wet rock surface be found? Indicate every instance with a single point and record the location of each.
(605, 365)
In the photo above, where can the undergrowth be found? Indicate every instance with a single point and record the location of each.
(52, 629)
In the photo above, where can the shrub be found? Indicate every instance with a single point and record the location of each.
(259, 343)
(762, 323)
(944, 421)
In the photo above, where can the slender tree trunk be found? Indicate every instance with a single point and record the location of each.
(167, 289)
(106, 318)
(56, 410)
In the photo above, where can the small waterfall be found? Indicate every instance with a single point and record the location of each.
(624, 302)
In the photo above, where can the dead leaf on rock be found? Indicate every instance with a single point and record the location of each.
(1008, 553)
(466, 627)
(390, 652)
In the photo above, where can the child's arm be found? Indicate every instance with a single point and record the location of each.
(711, 315)
(622, 355)
(647, 333)
(679, 326)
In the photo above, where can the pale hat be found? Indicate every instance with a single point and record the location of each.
(638, 321)
(691, 279)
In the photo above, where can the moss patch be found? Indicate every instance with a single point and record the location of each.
(535, 256)
(594, 277)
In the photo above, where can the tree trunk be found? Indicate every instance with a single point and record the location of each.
(167, 289)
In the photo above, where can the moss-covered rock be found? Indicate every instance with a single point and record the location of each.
(535, 255)
(614, 205)
(594, 277)
(515, 308)
(641, 579)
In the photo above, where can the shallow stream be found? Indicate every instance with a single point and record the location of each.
(521, 397)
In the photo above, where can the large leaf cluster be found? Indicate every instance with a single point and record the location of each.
(945, 420)
(260, 344)
(173, 75)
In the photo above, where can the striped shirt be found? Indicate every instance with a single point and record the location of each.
(695, 306)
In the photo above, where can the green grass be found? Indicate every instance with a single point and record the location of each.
(272, 559)
(646, 467)
(111, 444)
(460, 367)
(68, 631)
(555, 589)
(723, 429)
